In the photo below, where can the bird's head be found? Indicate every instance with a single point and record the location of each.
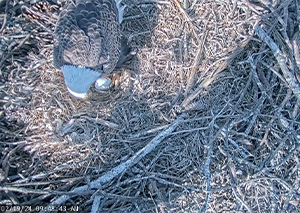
(79, 79)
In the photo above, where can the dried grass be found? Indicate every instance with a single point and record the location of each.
(236, 147)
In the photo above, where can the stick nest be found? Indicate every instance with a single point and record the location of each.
(235, 148)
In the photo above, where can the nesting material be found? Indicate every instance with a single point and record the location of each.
(204, 92)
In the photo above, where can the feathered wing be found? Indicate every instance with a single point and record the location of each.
(88, 35)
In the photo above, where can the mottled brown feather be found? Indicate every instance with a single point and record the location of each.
(88, 34)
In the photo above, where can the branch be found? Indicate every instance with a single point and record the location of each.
(96, 204)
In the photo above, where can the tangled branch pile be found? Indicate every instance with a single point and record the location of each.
(206, 117)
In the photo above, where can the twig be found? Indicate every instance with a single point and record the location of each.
(206, 167)
(199, 54)
(207, 173)
(110, 175)
(57, 169)
(288, 75)
(197, 61)
(176, 185)
(221, 66)
(206, 82)
(278, 112)
(236, 188)
(102, 122)
(11, 52)
(5, 17)
(40, 15)
(262, 99)
(96, 204)
(147, 132)
(275, 71)
(31, 191)
(296, 47)
(182, 10)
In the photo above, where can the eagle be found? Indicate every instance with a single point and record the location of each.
(88, 44)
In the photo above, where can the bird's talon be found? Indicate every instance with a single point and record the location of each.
(116, 79)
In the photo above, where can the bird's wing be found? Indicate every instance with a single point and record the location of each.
(88, 35)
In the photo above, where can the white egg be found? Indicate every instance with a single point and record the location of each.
(103, 84)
